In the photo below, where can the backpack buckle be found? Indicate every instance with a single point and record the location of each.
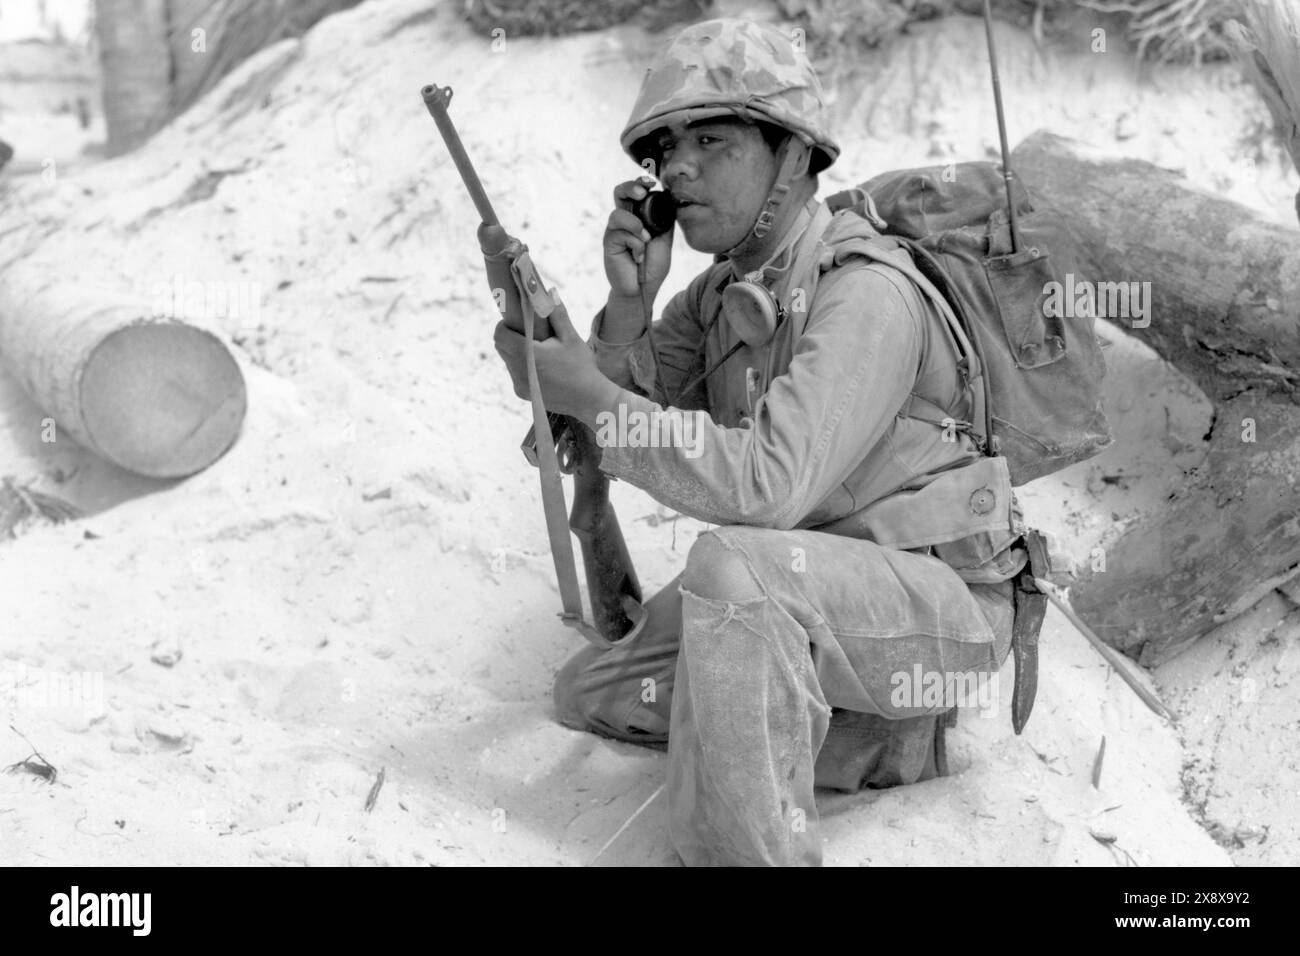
(860, 201)
(871, 214)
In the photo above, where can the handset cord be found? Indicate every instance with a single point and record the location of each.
(789, 252)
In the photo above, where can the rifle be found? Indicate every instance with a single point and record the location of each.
(526, 306)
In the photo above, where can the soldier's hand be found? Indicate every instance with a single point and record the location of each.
(627, 242)
(571, 383)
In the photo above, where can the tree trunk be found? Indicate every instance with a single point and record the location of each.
(155, 67)
(157, 397)
(1269, 49)
(1225, 308)
(137, 69)
(189, 64)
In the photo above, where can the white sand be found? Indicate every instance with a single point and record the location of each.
(364, 582)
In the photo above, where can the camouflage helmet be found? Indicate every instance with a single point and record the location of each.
(732, 67)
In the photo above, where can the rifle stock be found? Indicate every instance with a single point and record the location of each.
(610, 575)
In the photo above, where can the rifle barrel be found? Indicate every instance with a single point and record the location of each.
(436, 99)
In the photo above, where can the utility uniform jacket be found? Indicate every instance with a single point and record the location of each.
(815, 430)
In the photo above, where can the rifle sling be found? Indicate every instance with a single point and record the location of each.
(553, 506)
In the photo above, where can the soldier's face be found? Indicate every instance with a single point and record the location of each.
(720, 172)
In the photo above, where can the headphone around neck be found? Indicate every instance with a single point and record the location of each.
(751, 307)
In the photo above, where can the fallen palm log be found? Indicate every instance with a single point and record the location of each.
(1223, 305)
(156, 396)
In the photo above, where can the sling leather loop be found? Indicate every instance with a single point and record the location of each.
(557, 523)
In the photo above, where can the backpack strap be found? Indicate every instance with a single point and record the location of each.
(924, 410)
(973, 366)
(809, 249)
(895, 252)
(955, 309)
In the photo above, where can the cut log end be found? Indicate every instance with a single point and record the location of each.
(162, 399)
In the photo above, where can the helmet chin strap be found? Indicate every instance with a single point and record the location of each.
(782, 258)
(792, 158)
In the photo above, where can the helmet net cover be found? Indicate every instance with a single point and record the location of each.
(731, 68)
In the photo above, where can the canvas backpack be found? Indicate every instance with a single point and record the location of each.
(947, 229)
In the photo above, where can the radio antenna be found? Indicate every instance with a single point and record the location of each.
(1002, 128)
